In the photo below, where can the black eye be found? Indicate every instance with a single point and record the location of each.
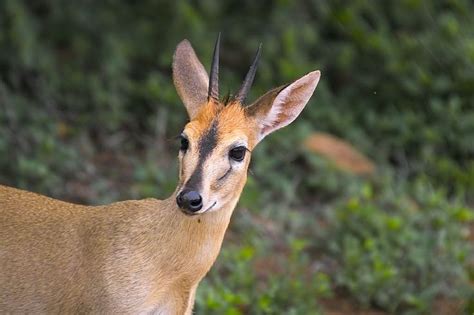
(184, 143)
(238, 153)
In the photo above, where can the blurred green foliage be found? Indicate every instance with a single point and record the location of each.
(398, 252)
(88, 113)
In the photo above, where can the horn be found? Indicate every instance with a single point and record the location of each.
(247, 84)
(214, 76)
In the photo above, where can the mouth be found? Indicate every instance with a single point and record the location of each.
(198, 212)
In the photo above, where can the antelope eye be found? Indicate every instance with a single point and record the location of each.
(238, 153)
(184, 143)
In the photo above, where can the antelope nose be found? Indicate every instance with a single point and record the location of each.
(189, 200)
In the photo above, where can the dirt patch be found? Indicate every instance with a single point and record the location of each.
(341, 153)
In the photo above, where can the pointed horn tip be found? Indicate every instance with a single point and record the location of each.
(256, 59)
(249, 78)
(218, 42)
(213, 92)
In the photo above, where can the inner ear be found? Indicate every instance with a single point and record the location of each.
(279, 107)
(264, 112)
(263, 104)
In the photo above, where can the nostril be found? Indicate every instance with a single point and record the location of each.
(196, 202)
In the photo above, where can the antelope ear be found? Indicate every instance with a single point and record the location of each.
(190, 78)
(280, 106)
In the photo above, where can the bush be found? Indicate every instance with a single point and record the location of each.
(401, 252)
(268, 271)
(88, 113)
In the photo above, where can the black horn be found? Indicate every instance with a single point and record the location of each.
(214, 76)
(247, 84)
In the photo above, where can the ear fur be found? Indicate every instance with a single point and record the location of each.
(190, 78)
(280, 106)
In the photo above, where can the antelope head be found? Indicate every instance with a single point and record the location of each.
(217, 143)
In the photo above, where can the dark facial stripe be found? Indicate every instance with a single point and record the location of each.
(207, 143)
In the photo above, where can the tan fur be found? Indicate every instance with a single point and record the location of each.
(232, 118)
(135, 256)
(126, 257)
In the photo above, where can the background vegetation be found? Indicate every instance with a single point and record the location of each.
(88, 114)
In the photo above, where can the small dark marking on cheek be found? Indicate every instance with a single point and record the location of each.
(225, 174)
(220, 181)
(199, 220)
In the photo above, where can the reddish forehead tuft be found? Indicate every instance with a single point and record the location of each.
(230, 119)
